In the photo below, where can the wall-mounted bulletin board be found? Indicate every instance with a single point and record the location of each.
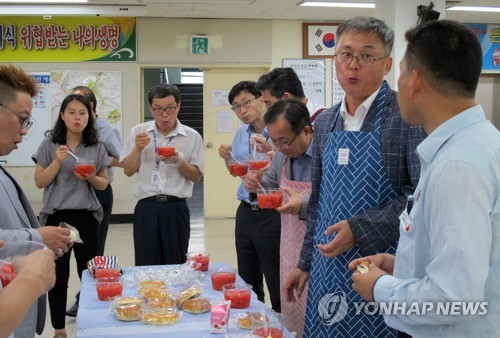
(312, 75)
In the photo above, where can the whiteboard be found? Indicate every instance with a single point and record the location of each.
(312, 75)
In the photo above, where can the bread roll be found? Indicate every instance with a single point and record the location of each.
(152, 282)
(161, 303)
(196, 305)
(161, 317)
(188, 292)
(152, 292)
(363, 266)
(244, 320)
(128, 308)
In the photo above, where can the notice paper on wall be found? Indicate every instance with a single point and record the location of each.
(225, 121)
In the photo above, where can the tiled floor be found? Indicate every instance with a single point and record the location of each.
(215, 236)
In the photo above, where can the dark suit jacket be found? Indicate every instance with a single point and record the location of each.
(376, 228)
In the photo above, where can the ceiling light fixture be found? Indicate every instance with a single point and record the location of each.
(76, 10)
(198, 2)
(336, 4)
(42, 1)
(474, 9)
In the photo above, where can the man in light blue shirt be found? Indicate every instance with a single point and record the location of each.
(444, 279)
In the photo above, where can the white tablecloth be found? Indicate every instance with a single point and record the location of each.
(94, 318)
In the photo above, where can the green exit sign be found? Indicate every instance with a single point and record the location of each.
(200, 44)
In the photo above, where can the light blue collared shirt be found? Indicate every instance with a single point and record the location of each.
(241, 149)
(451, 253)
(110, 137)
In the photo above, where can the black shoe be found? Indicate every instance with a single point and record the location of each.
(73, 311)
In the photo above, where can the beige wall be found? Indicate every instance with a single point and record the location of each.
(164, 42)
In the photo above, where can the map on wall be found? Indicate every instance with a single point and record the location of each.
(107, 87)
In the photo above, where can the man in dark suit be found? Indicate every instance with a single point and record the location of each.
(17, 219)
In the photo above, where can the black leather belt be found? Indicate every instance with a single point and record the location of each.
(163, 199)
(254, 207)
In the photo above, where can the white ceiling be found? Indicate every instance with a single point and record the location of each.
(281, 9)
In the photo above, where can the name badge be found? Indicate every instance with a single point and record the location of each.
(343, 156)
(405, 221)
(155, 177)
(405, 218)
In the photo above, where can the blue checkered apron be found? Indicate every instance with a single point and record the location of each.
(346, 190)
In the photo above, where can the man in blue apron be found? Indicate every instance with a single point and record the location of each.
(364, 166)
(449, 252)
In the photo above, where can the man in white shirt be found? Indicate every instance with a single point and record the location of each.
(161, 216)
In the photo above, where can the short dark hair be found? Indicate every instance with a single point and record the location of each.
(448, 54)
(294, 111)
(59, 132)
(162, 91)
(281, 80)
(15, 80)
(88, 94)
(249, 86)
(367, 24)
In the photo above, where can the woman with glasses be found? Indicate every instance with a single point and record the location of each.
(68, 195)
(289, 126)
(257, 232)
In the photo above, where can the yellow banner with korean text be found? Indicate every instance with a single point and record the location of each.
(67, 39)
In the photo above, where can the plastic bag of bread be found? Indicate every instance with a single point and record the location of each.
(128, 308)
(161, 317)
(244, 319)
(153, 292)
(166, 302)
(196, 305)
(152, 283)
(188, 292)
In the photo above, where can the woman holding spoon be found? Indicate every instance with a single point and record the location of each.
(69, 195)
(257, 232)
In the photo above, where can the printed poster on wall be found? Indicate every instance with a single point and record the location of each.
(312, 75)
(489, 37)
(106, 85)
(67, 39)
(55, 86)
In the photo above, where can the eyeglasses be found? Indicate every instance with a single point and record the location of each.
(168, 110)
(26, 122)
(363, 59)
(245, 104)
(284, 145)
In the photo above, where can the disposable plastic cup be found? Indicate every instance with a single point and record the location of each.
(270, 198)
(12, 251)
(200, 259)
(84, 167)
(239, 294)
(238, 168)
(109, 288)
(222, 277)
